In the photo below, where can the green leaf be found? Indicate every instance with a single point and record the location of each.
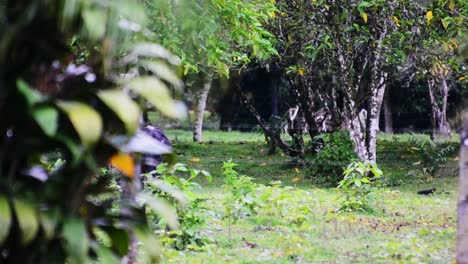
(160, 207)
(105, 256)
(95, 21)
(87, 122)
(31, 96)
(125, 108)
(27, 221)
(49, 222)
(163, 72)
(156, 92)
(120, 240)
(47, 118)
(5, 218)
(150, 244)
(74, 232)
(358, 183)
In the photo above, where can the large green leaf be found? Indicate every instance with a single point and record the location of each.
(125, 108)
(95, 21)
(120, 240)
(46, 118)
(74, 232)
(163, 72)
(150, 244)
(156, 92)
(49, 222)
(31, 96)
(27, 220)
(87, 122)
(160, 207)
(5, 218)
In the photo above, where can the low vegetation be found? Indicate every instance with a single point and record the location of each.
(281, 215)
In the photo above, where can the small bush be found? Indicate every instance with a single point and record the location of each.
(358, 186)
(175, 185)
(334, 153)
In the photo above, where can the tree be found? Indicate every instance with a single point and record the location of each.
(222, 35)
(84, 114)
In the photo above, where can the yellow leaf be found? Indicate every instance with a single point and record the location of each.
(300, 72)
(396, 21)
(195, 160)
(429, 16)
(124, 163)
(297, 170)
(451, 5)
(462, 78)
(283, 14)
(296, 179)
(263, 164)
(364, 16)
(273, 15)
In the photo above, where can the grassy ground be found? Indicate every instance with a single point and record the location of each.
(300, 224)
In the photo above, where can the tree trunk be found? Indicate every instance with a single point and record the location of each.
(388, 117)
(201, 96)
(462, 233)
(439, 114)
(380, 95)
(444, 127)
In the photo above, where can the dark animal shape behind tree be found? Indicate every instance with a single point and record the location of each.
(151, 161)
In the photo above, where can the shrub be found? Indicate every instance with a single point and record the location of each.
(175, 185)
(358, 186)
(334, 153)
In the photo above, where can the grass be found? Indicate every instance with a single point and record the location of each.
(300, 223)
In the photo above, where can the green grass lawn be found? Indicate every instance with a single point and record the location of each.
(300, 223)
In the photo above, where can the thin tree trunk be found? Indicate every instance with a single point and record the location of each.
(462, 233)
(200, 100)
(388, 117)
(380, 95)
(444, 127)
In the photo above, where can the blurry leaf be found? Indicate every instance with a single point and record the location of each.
(120, 240)
(46, 118)
(74, 232)
(37, 172)
(446, 22)
(87, 122)
(171, 190)
(163, 72)
(141, 142)
(150, 244)
(195, 160)
(5, 218)
(364, 16)
(125, 108)
(428, 17)
(296, 180)
(153, 50)
(395, 19)
(27, 221)
(124, 163)
(95, 21)
(105, 255)
(49, 221)
(300, 72)
(160, 207)
(31, 96)
(156, 92)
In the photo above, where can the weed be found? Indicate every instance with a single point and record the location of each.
(174, 188)
(334, 152)
(358, 185)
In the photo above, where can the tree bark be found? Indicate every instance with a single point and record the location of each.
(388, 117)
(201, 96)
(439, 114)
(462, 233)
